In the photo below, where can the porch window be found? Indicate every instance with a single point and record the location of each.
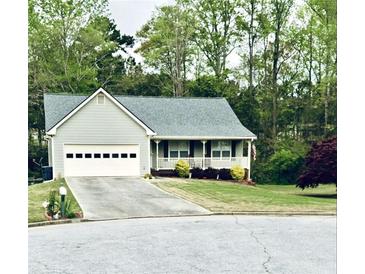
(178, 149)
(221, 149)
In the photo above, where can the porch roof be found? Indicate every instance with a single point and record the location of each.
(168, 117)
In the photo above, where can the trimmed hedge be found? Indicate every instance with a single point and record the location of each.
(211, 173)
(198, 173)
(164, 173)
(225, 174)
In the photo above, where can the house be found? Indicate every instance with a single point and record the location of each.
(105, 135)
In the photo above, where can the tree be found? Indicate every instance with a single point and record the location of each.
(326, 14)
(280, 10)
(62, 43)
(210, 86)
(61, 54)
(320, 165)
(166, 44)
(111, 64)
(215, 30)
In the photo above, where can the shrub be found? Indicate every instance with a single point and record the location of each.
(182, 168)
(68, 208)
(284, 164)
(320, 164)
(237, 172)
(210, 173)
(147, 176)
(197, 173)
(225, 174)
(164, 173)
(53, 205)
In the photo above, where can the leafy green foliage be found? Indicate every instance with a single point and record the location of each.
(283, 86)
(39, 154)
(167, 44)
(283, 166)
(68, 207)
(182, 168)
(147, 176)
(53, 206)
(237, 172)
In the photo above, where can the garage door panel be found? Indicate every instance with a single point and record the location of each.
(92, 160)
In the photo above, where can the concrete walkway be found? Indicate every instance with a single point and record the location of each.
(121, 197)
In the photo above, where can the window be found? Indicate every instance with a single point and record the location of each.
(69, 155)
(78, 155)
(97, 155)
(132, 155)
(226, 154)
(216, 154)
(88, 155)
(106, 155)
(123, 155)
(221, 149)
(179, 149)
(184, 154)
(115, 155)
(174, 154)
(101, 99)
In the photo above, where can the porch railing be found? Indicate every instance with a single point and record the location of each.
(197, 162)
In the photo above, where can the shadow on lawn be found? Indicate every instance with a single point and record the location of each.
(325, 196)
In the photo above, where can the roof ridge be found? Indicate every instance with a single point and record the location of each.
(134, 96)
(65, 94)
(167, 97)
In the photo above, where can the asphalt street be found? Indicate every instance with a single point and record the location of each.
(204, 244)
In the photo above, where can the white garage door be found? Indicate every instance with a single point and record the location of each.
(101, 160)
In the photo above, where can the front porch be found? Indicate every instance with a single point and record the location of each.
(202, 154)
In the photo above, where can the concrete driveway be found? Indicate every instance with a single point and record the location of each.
(120, 197)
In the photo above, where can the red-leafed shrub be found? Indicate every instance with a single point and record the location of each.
(320, 165)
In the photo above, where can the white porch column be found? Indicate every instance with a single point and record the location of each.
(249, 160)
(203, 141)
(157, 142)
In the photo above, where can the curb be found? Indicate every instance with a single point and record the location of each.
(56, 222)
(277, 213)
(244, 213)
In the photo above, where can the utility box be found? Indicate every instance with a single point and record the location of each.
(47, 172)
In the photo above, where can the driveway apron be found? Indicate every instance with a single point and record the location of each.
(122, 197)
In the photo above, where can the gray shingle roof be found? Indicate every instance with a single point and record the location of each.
(183, 116)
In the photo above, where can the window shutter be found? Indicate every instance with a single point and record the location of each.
(208, 148)
(191, 148)
(165, 149)
(233, 148)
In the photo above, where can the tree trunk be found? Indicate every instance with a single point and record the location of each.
(251, 40)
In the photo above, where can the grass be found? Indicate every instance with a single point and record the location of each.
(231, 197)
(38, 193)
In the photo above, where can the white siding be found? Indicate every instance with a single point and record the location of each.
(100, 124)
(49, 141)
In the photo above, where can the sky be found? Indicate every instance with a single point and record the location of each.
(130, 15)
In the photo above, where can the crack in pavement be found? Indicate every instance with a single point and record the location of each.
(252, 235)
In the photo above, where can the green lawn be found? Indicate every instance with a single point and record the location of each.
(38, 193)
(232, 197)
